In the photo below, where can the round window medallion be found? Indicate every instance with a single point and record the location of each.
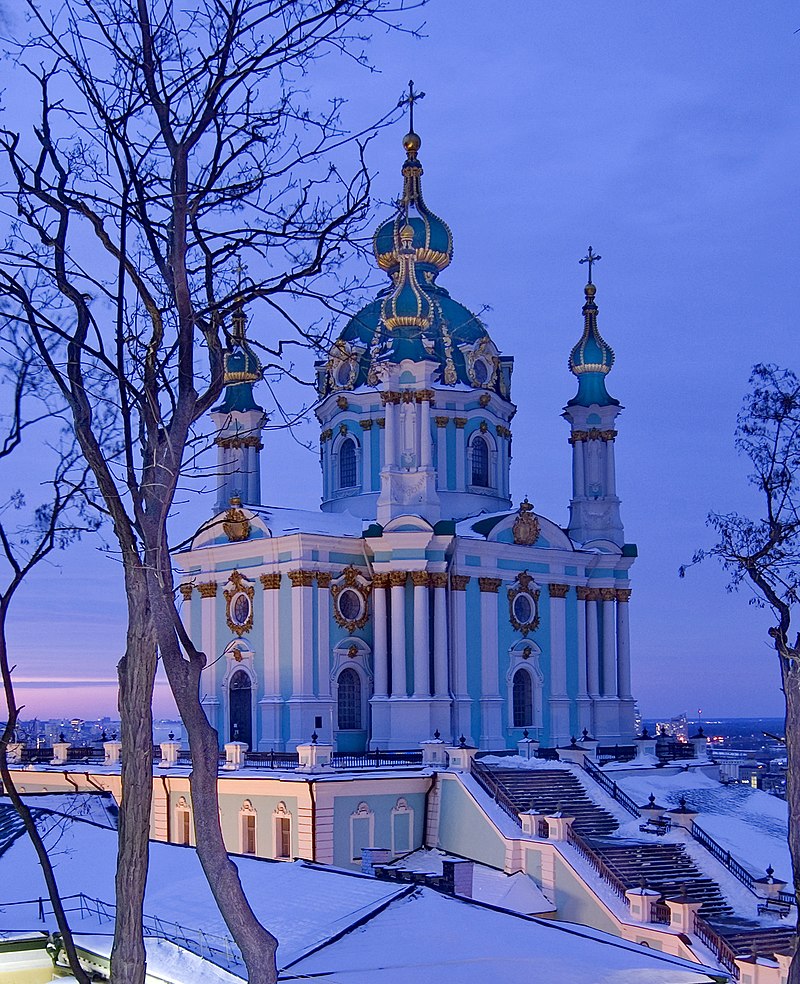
(350, 604)
(343, 373)
(523, 608)
(240, 609)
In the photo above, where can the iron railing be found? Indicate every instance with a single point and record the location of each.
(489, 784)
(660, 913)
(611, 787)
(718, 945)
(724, 856)
(588, 854)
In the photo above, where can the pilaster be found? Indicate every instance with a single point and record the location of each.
(491, 703)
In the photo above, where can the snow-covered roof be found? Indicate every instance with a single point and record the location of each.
(433, 939)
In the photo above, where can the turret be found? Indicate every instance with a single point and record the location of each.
(415, 397)
(591, 413)
(239, 421)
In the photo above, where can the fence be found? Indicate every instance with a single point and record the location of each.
(219, 949)
(717, 944)
(611, 788)
(487, 782)
(599, 865)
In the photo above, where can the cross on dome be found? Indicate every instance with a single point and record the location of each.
(590, 258)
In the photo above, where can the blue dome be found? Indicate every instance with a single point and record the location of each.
(432, 241)
(414, 318)
(242, 369)
(592, 358)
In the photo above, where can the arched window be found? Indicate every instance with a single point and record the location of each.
(480, 463)
(522, 699)
(349, 700)
(348, 478)
(283, 831)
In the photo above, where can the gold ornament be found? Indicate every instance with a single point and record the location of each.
(239, 587)
(525, 585)
(526, 526)
(236, 525)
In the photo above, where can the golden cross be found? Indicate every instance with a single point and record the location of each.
(590, 258)
(409, 100)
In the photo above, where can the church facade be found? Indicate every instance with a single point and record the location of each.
(419, 599)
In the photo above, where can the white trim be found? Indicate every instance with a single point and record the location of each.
(362, 812)
(281, 813)
(247, 810)
(532, 667)
(182, 810)
(337, 489)
(402, 809)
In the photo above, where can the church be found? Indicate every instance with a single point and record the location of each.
(420, 600)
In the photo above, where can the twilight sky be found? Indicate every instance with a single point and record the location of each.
(667, 136)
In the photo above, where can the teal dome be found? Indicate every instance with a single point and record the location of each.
(242, 369)
(414, 317)
(432, 241)
(591, 359)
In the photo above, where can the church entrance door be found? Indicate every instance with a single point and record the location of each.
(241, 708)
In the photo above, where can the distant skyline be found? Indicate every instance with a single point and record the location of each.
(667, 137)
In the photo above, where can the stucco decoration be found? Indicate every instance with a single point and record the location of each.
(523, 604)
(350, 594)
(526, 527)
(236, 525)
(239, 604)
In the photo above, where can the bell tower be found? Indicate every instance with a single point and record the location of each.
(591, 414)
(239, 421)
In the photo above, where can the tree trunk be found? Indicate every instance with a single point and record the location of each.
(136, 671)
(257, 945)
(790, 672)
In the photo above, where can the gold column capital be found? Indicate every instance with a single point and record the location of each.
(269, 582)
(380, 580)
(623, 594)
(420, 579)
(558, 590)
(459, 582)
(398, 579)
(608, 594)
(439, 579)
(489, 585)
(301, 578)
(208, 589)
(324, 578)
(186, 590)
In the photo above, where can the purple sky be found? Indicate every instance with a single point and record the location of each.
(667, 136)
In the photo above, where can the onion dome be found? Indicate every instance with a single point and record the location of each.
(242, 369)
(432, 241)
(591, 359)
(408, 305)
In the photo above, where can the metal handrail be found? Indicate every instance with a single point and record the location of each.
(611, 788)
(599, 865)
(486, 781)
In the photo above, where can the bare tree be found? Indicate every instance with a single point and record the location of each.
(174, 147)
(28, 536)
(763, 554)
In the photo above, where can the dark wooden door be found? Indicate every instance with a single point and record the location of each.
(241, 709)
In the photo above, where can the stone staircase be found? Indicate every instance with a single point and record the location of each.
(664, 868)
(549, 790)
(10, 826)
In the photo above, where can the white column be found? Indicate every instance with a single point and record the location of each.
(578, 468)
(489, 657)
(426, 450)
(440, 683)
(398, 579)
(458, 637)
(366, 455)
(582, 685)
(422, 676)
(390, 458)
(558, 639)
(592, 647)
(323, 633)
(461, 474)
(611, 477)
(302, 635)
(380, 649)
(609, 643)
(623, 643)
(491, 702)
(208, 636)
(441, 452)
(271, 584)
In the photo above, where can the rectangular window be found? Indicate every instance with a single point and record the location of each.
(185, 828)
(283, 837)
(248, 834)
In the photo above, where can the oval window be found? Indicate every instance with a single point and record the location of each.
(523, 608)
(240, 609)
(343, 373)
(350, 605)
(481, 372)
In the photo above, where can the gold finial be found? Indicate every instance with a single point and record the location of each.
(407, 235)
(412, 140)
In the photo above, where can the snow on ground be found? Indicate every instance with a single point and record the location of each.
(439, 940)
(517, 893)
(748, 822)
(302, 904)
